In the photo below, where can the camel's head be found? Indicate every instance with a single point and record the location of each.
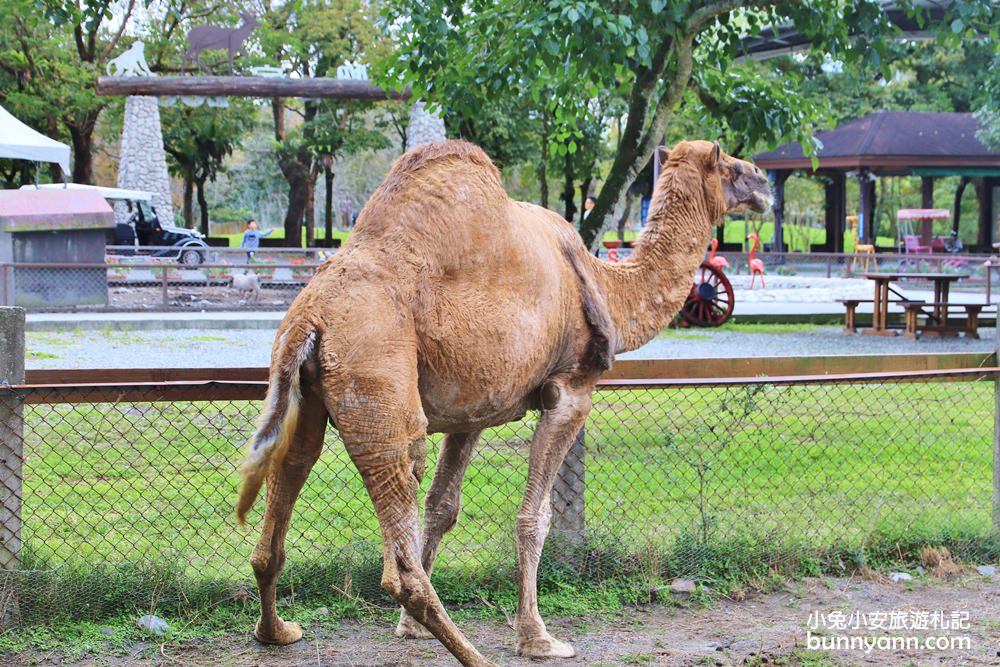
(737, 183)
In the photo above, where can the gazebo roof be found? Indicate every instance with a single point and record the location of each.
(898, 141)
(786, 38)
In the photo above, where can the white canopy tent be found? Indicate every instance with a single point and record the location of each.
(20, 142)
(111, 194)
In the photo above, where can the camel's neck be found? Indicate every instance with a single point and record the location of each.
(646, 291)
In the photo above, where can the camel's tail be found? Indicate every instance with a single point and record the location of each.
(277, 423)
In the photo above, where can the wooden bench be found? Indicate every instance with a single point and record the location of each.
(851, 307)
(914, 309)
(850, 314)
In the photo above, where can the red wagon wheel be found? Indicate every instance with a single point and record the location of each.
(711, 302)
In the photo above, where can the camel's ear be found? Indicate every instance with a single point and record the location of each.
(713, 161)
(663, 154)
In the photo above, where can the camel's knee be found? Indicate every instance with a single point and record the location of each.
(408, 584)
(418, 458)
(442, 516)
(267, 561)
(533, 525)
(391, 583)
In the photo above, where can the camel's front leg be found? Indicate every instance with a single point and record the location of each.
(283, 486)
(564, 411)
(441, 509)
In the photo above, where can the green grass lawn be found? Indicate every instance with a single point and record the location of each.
(798, 238)
(131, 502)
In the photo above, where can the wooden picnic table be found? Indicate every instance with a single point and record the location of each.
(883, 287)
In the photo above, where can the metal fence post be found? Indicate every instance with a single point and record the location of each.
(568, 502)
(6, 293)
(996, 438)
(166, 297)
(11, 435)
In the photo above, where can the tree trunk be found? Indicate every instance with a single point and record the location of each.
(328, 204)
(568, 190)
(584, 192)
(626, 212)
(639, 138)
(294, 176)
(543, 176)
(188, 208)
(55, 171)
(959, 191)
(203, 207)
(298, 199)
(311, 206)
(82, 137)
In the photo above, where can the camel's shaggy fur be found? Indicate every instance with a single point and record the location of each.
(451, 309)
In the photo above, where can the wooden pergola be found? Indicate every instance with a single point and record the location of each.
(890, 143)
(246, 86)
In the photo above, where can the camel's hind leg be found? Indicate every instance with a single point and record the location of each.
(382, 424)
(565, 405)
(441, 509)
(283, 485)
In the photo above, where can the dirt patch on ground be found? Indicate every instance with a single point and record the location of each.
(761, 630)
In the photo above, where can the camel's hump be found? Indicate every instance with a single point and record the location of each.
(442, 153)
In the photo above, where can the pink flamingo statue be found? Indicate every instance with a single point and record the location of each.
(719, 262)
(756, 265)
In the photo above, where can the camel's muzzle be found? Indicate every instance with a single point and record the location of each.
(761, 201)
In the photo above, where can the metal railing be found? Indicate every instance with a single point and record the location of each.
(144, 282)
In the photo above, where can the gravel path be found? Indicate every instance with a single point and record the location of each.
(192, 348)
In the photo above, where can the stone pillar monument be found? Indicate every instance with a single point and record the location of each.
(143, 164)
(424, 127)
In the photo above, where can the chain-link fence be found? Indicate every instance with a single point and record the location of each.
(128, 491)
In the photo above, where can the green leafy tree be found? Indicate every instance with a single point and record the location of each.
(56, 49)
(23, 39)
(989, 113)
(644, 52)
(314, 39)
(197, 141)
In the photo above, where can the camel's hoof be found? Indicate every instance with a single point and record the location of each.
(409, 628)
(545, 646)
(286, 633)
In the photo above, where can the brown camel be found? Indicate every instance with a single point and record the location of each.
(451, 309)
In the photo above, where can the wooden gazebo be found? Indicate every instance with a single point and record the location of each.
(890, 143)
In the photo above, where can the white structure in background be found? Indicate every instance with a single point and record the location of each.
(424, 127)
(130, 63)
(20, 142)
(352, 70)
(143, 163)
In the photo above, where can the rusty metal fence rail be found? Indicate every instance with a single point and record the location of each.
(126, 491)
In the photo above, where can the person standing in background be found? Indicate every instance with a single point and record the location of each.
(251, 239)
